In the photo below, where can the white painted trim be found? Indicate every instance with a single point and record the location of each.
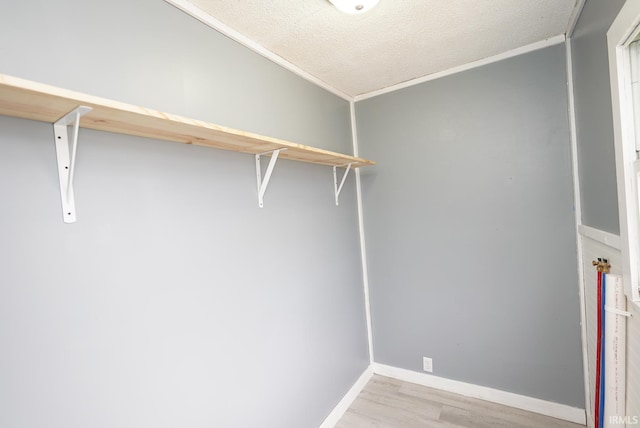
(578, 222)
(344, 404)
(601, 236)
(363, 246)
(548, 408)
(514, 52)
(221, 27)
(575, 16)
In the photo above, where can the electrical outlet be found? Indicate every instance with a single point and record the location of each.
(427, 364)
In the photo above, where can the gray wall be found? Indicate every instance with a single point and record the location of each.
(470, 227)
(174, 300)
(594, 121)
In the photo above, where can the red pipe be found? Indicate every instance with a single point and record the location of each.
(598, 353)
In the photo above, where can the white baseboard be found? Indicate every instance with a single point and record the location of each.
(548, 408)
(338, 411)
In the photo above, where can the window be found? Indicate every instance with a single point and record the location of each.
(624, 68)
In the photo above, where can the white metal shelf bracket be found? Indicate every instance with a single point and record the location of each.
(66, 155)
(337, 189)
(262, 184)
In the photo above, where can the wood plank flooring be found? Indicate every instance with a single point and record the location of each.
(390, 403)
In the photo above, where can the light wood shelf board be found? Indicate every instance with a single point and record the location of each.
(36, 101)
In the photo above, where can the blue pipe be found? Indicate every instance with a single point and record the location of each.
(602, 365)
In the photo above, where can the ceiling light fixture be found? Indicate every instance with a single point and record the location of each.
(354, 6)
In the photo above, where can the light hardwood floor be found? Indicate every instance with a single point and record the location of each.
(390, 403)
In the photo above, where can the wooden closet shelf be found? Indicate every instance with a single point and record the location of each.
(31, 100)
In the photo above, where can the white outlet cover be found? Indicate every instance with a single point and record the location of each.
(427, 364)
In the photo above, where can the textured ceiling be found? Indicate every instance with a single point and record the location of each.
(398, 40)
